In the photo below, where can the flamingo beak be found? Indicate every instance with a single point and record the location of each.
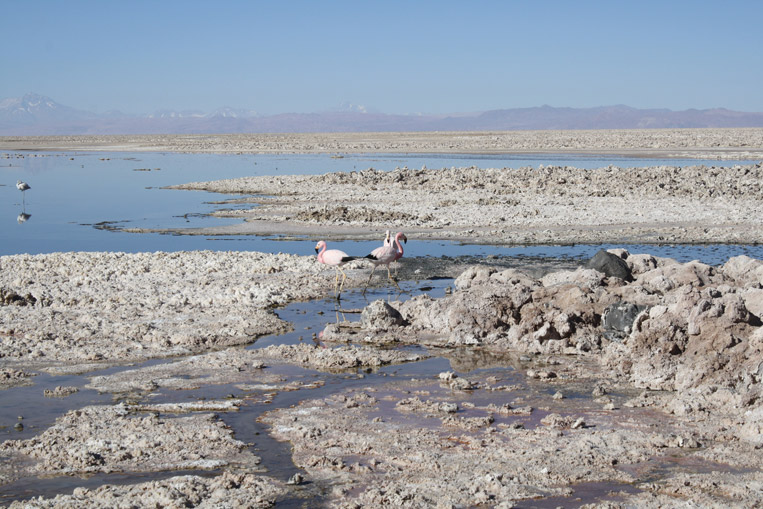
(317, 250)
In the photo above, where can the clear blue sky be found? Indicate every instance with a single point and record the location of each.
(392, 56)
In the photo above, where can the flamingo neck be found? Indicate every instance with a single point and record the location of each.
(397, 243)
(320, 253)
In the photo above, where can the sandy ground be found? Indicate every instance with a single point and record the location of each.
(634, 381)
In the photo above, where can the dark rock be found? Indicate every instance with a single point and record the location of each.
(296, 479)
(618, 319)
(611, 265)
(9, 297)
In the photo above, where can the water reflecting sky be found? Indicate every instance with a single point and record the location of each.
(73, 191)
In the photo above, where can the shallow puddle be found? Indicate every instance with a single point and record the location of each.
(581, 494)
(677, 461)
(51, 486)
(29, 407)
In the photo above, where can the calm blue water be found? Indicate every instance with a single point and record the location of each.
(72, 192)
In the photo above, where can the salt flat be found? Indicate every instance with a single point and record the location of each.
(740, 143)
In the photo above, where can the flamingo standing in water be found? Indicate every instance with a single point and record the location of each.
(336, 259)
(23, 186)
(385, 255)
(388, 242)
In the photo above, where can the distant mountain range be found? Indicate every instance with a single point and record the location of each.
(35, 114)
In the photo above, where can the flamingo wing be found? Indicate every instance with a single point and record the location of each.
(336, 257)
(382, 255)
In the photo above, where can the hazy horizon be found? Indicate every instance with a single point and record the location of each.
(348, 107)
(393, 57)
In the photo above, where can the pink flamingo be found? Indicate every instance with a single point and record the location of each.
(399, 251)
(336, 259)
(385, 255)
(389, 242)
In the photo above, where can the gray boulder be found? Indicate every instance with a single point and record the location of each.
(611, 265)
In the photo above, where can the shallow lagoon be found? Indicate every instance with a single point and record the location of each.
(78, 198)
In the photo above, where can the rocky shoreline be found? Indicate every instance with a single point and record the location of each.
(527, 206)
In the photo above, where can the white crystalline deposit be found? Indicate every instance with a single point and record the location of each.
(84, 307)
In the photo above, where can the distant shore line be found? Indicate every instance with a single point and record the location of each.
(723, 144)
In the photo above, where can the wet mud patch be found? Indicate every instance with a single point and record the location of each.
(678, 461)
(571, 401)
(248, 368)
(493, 436)
(581, 495)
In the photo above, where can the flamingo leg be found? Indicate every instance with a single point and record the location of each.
(344, 278)
(369, 280)
(389, 276)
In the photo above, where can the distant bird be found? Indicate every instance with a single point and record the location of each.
(336, 259)
(22, 186)
(385, 255)
(23, 217)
